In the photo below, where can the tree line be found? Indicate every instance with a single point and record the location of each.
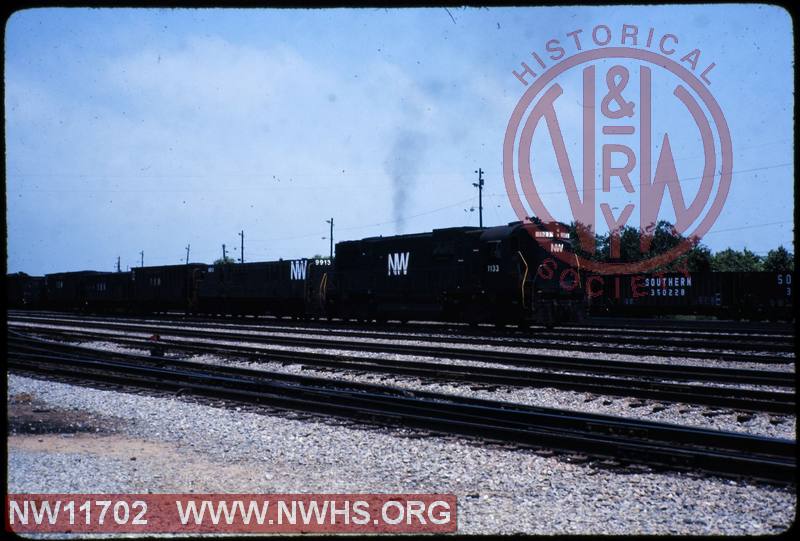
(627, 247)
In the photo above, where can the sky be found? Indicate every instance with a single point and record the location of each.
(148, 130)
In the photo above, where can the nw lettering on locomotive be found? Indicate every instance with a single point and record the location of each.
(298, 268)
(398, 263)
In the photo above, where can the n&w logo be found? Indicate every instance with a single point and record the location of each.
(298, 270)
(398, 263)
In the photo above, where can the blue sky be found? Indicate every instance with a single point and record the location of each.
(133, 129)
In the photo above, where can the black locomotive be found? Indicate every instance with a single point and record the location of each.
(457, 274)
(503, 274)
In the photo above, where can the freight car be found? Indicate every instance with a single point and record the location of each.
(66, 290)
(456, 274)
(281, 288)
(165, 288)
(728, 295)
(87, 290)
(107, 292)
(24, 291)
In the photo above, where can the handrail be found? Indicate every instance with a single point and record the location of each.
(524, 277)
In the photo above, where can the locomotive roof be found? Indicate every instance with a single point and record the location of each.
(486, 234)
(505, 231)
(436, 232)
(500, 232)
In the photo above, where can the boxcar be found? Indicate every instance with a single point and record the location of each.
(730, 295)
(273, 287)
(25, 291)
(165, 288)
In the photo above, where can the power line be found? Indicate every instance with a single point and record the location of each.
(751, 226)
(366, 171)
(599, 188)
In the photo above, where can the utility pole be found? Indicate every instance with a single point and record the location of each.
(224, 257)
(242, 253)
(331, 236)
(118, 269)
(142, 254)
(479, 185)
(188, 246)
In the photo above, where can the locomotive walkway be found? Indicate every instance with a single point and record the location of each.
(645, 386)
(600, 436)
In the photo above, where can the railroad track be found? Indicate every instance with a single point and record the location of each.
(525, 360)
(784, 335)
(654, 444)
(715, 396)
(322, 342)
(540, 339)
(716, 326)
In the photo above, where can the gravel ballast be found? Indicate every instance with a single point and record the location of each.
(757, 423)
(178, 445)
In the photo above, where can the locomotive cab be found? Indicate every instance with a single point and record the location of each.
(527, 270)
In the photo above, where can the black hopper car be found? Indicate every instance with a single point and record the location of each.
(166, 288)
(726, 295)
(25, 291)
(498, 275)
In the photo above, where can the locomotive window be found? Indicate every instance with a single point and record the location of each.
(444, 248)
(493, 249)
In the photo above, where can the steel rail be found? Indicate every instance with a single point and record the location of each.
(544, 339)
(655, 328)
(551, 362)
(725, 397)
(659, 444)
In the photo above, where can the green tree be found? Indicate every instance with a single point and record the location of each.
(779, 260)
(657, 240)
(731, 260)
(578, 231)
(697, 259)
(224, 261)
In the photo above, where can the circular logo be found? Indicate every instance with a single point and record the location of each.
(624, 129)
